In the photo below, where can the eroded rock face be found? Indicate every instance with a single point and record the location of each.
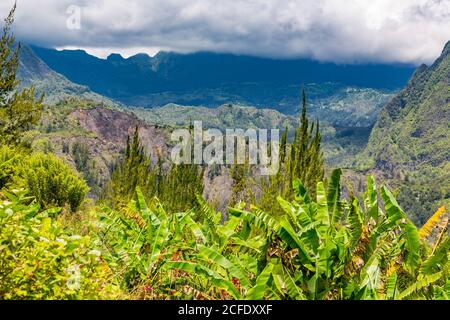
(103, 134)
(100, 135)
(112, 127)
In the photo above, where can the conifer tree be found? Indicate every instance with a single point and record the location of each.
(176, 186)
(238, 178)
(128, 173)
(306, 156)
(302, 159)
(19, 109)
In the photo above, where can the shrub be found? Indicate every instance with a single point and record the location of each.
(54, 183)
(9, 161)
(39, 260)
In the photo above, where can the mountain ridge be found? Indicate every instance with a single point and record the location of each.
(211, 79)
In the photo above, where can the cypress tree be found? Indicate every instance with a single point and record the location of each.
(19, 110)
(303, 159)
(176, 186)
(307, 158)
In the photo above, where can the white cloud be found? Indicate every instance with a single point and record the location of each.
(330, 30)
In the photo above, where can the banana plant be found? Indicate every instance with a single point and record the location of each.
(348, 249)
(322, 248)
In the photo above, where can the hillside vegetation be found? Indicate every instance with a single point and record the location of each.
(410, 142)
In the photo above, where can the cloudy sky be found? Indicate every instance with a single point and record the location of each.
(344, 31)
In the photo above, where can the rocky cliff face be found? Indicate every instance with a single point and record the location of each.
(92, 138)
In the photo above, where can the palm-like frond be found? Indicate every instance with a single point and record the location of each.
(438, 259)
(322, 216)
(334, 197)
(258, 291)
(427, 228)
(420, 284)
(412, 243)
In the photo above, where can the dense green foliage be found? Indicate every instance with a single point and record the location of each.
(40, 260)
(176, 186)
(52, 182)
(9, 163)
(319, 249)
(157, 238)
(302, 159)
(46, 177)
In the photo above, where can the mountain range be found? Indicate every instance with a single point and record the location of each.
(213, 79)
(347, 104)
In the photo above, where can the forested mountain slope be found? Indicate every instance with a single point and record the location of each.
(410, 141)
(33, 71)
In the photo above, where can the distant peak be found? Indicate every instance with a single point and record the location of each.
(115, 57)
(140, 57)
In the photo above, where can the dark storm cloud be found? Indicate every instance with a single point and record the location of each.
(330, 30)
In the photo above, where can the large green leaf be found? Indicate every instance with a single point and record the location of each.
(334, 197)
(195, 229)
(418, 285)
(218, 259)
(288, 235)
(258, 291)
(438, 259)
(301, 193)
(208, 274)
(322, 216)
(211, 218)
(324, 261)
(291, 211)
(390, 204)
(391, 286)
(372, 198)
(355, 223)
(149, 217)
(412, 243)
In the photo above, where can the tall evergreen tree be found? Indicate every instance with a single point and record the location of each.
(176, 186)
(19, 109)
(302, 159)
(243, 184)
(306, 156)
